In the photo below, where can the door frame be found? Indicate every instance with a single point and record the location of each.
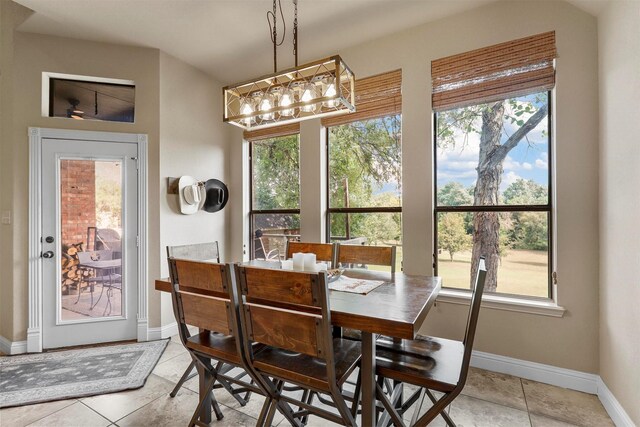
(37, 137)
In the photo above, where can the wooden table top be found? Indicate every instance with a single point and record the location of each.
(397, 308)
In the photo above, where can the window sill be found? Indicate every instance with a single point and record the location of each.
(521, 305)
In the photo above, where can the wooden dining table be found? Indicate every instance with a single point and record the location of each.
(397, 309)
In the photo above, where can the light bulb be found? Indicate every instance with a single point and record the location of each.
(266, 104)
(309, 93)
(330, 90)
(247, 108)
(286, 99)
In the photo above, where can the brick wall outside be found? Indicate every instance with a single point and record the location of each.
(78, 206)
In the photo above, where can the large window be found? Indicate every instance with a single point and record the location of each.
(275, 195)
(493, 195)
(364, 183)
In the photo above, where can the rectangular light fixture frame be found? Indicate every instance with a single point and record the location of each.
(259, 103)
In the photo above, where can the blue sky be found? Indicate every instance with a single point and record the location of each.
(528, 160)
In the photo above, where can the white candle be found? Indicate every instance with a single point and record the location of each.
(310, 262)
(321, 266)
(298, 261)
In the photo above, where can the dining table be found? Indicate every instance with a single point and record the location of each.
(396, 309)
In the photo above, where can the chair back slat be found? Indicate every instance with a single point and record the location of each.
(286, 309)
(280, 287)
(206, 312)
(202, 277)
(197, 252)
(364, 254)
(285, 329)
(323, 251)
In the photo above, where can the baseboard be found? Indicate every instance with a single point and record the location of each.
(163, 332)
(617, 413)
(560, 377)
(566, 378)
(12, 347)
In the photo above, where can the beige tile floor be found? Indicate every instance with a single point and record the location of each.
(489, 399)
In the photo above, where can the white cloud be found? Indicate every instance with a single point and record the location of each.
(508, 179)
(527, 166)
(542, 162)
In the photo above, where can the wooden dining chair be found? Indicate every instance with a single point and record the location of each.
(288, 312)
(324, 251)
(209, 251)
(366, 255)
(431, 364)
(203, 296)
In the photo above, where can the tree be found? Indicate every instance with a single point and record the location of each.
(488, 120)
(452, 236)
(525, 192)
(454, 194)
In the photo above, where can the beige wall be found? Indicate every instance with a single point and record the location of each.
(569, 342)
(619, 47)
(193, 141)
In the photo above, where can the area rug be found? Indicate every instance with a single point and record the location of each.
(42, 377)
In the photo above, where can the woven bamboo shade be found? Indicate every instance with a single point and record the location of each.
(272, 132)
(505, 70)
(376, 96)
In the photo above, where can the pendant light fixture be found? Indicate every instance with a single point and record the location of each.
(74, 112)
(317, 89)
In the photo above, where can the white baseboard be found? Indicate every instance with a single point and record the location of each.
(566, 378)
(12, 347)
(560, 377)
(163, 332)
(617, 413)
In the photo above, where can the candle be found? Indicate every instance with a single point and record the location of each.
(298, 261)
(321, 266)
(287, 264)
(310, 262)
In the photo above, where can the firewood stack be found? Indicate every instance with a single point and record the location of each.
(71, 273)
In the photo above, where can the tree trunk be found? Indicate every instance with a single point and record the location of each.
(486, 225)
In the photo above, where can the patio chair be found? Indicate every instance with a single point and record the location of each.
(111, 278)
(203, 296)
(295, 330)
(196, 252)
(429, 363)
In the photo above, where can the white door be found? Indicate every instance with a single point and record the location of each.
(89, 240)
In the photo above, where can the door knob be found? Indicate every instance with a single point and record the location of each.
(48, 254)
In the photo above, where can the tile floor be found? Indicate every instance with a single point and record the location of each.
(489, 399)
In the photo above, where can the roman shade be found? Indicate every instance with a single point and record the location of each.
(504, 70)
(272, 132)
(376, 96)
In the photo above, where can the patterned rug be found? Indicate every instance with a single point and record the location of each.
(57, 375)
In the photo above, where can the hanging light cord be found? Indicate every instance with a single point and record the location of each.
(272, 20)
(295, 31)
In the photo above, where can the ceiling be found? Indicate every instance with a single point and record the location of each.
(229, 39)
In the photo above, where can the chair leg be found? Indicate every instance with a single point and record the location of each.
(196, 414)
(99, 298)
(343, 409)
(184, 378)
(356, 397)
(414, 418)
(389, 406)
(437, 409)
(444, 414)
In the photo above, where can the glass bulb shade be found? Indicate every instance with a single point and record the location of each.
(247, 108)
(309, 93)
(266, 104)
(286, 98)
(329, 87)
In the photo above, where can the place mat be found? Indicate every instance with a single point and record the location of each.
(57, 375)
(356, 286)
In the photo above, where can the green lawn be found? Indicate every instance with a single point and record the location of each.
(522, 272)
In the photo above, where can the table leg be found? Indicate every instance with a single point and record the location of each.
(368, 368)
(203, 379)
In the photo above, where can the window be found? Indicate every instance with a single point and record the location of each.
(364, 191)
(275, 194)
(493, 194)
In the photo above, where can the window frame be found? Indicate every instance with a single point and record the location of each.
(360, 210)
(549, 208)
(252, 211)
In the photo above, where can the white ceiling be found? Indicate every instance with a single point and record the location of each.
(229, 39)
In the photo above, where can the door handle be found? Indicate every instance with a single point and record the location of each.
(48, 254)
